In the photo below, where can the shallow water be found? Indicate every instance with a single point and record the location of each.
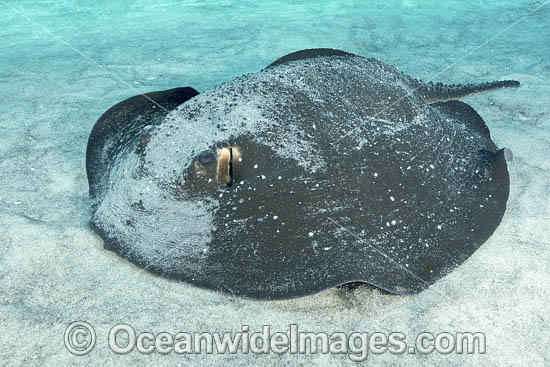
(63, 64)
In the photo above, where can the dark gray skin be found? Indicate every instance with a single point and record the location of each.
(349, 171)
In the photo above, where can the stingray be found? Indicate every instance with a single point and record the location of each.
(322, 169)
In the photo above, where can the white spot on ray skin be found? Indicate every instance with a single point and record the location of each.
(314, 246)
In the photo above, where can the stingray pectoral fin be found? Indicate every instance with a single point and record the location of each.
(433, 93)
(119, 124)
(311, 53)
(463, 113)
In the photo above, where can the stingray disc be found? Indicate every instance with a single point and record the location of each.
(325, 168)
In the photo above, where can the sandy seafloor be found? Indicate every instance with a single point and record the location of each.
(53, 269)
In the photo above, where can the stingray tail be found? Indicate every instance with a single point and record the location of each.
(433, 93)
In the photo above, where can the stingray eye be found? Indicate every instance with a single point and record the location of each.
(227, 158)
(207, 157)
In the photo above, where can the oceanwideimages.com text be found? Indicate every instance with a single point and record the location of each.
(80, 339)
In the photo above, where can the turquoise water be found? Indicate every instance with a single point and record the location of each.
(64, 63)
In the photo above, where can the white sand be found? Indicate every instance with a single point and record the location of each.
(53, 269)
